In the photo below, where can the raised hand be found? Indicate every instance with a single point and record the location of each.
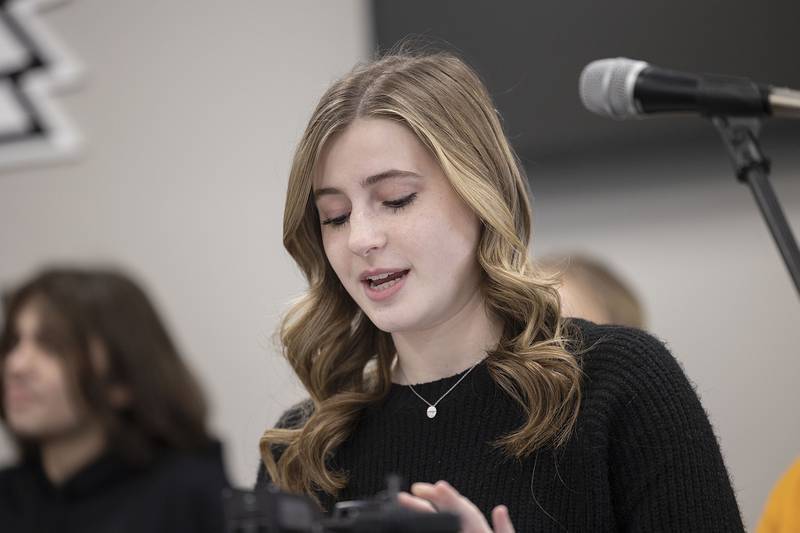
(441, 496)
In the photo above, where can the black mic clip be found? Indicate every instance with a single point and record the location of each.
(740, 135)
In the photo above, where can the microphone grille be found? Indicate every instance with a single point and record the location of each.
(606, 87)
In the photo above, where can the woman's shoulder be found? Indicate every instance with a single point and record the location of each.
(293, 418)
(12, 477)
(193, 466)
(296, 416)
(11, 471)
(180, 479)
(621, 363)
(600, 347)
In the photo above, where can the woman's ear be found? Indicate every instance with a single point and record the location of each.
(98, 355)
(118, 395)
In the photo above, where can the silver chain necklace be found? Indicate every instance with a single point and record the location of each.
(431, 411)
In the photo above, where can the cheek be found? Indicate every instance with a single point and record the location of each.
(451, 237)
(47, 405)
(60, 396)
(335, 248)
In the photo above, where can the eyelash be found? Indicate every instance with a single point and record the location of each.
(394, 205)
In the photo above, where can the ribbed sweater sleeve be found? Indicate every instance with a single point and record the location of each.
(666, 469)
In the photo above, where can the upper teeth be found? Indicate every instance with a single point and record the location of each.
(379, 276)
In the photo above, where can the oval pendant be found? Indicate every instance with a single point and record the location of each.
(431, 411)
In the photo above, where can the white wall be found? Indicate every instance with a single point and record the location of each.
(192, 110)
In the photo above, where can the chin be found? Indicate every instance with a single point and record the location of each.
(385, 320)
(386, 326)
(24, 431)
(394, 324)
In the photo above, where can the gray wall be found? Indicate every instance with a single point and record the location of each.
(192, 110)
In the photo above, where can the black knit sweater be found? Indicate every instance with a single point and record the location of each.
(643, 456)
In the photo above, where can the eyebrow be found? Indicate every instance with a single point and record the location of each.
(370, 180)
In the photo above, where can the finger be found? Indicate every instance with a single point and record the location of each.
(414, 503)
(442, 494)
(447, 498)
(501, 520)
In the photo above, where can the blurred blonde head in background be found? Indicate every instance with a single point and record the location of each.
(590, 289)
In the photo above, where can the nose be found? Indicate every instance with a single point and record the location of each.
(366, 234)
(18, 360)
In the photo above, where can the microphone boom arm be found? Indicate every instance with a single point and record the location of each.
(740, 136)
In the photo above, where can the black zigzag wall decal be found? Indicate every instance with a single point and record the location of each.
(34, 66)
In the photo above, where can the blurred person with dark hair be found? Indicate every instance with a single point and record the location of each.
(590, 289)
(110, 423)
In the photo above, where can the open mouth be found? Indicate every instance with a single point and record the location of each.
(387, 280)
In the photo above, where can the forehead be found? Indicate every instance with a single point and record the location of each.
(28, 318)
(369, 146)
(37, 316)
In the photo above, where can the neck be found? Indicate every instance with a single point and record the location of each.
(446, 348)
(64, 455)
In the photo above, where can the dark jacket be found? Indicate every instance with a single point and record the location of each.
(178, 492)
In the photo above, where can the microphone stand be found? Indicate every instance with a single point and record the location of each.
(740, 136)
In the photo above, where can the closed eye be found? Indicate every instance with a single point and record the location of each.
(338, 221)
(401, 202)
(394, 205)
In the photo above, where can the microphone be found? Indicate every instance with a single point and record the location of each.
(623, 88)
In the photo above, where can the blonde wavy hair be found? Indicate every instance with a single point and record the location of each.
(341, 358)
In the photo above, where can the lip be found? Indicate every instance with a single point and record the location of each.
(378, 296)
(377, 271)
(15, 398)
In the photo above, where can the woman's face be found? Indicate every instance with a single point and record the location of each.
(37, 395)
(400, 239)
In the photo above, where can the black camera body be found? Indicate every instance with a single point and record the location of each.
(273, 511)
